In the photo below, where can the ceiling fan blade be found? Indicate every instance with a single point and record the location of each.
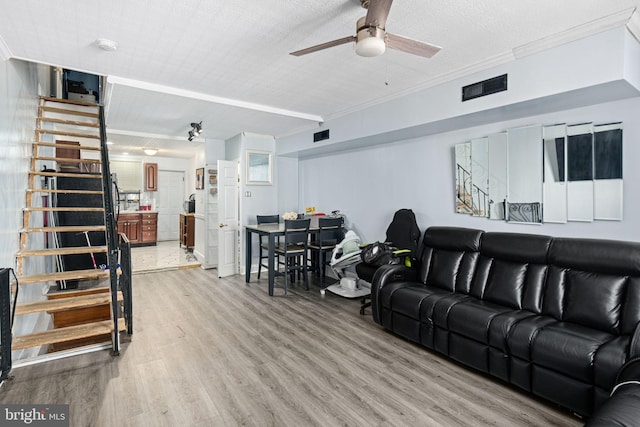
(322, 46)
(411, 46)
(377, 13)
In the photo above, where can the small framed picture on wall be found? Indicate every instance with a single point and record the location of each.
(200, 179)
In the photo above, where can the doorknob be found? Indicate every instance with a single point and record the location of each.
(223, 225)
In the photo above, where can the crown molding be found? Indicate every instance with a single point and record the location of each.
(633, 25)
(211, 98)
(605, 23)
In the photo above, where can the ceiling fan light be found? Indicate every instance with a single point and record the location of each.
(370, 47)
(150, 151)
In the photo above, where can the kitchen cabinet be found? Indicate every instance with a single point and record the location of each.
(130, 224)
(150, 177)
(140, 228)
(187, 230)
(149, 228)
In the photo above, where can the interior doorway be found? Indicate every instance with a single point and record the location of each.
(169, 204)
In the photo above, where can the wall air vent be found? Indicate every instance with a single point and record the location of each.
(320, 136)
(486, 87)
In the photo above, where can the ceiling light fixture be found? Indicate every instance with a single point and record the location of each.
(150, 151)
(106, 44)
(195, 131)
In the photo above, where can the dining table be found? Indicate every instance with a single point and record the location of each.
(271, 231)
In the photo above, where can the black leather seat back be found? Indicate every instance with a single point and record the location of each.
(448, 257)
(595, 283)
(512, 270)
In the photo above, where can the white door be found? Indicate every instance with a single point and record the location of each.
(169, 204)
(228, 218)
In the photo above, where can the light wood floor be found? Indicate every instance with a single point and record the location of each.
(209, 352)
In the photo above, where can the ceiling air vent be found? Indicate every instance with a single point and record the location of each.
(320, 136)
(486, 87)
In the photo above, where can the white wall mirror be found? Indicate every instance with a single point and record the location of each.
(524, 172)
(259, 167)
(480, 176)
(534, 174)
(464, 204)
(497, 147)
(607, 184)
(580, 172)
(555, 176)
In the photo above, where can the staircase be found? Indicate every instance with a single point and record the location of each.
(70, 138)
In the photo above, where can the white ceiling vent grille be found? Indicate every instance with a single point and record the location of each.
(484, 88)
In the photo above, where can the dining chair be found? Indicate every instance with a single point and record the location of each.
(264, 246)
(329, 234)
(294, 250)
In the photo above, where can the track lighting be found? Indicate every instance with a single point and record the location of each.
(195, 131)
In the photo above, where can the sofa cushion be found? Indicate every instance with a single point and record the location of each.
(511, 270)
(472, 318)
(524, 333)
(408, 300)
(506, 283)
(609, 358)
(569, 349)
(448, 257)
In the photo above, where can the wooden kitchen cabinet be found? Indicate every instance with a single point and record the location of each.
(149, 228)
(150, 177)
(140, 228)
(130, 224)
(187, 230)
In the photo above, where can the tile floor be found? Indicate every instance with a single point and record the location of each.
(164, 256)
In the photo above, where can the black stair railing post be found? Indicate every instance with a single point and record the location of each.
(110, 224)
(5, 323)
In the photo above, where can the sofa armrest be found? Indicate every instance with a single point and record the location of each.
(622, 408)
(383, 276)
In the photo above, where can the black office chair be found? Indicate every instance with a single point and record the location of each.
(329, 234)
(294, 250)
(403, 233)
(264, 246)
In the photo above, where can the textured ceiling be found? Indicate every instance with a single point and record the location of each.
(180, 61)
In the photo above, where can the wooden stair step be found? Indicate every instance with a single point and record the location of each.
(73, 250)
(65, 191)
(68, 333)
(68, 160)
(68, 101)
(63, 209)
(78, 292)
(70, 303)
(67, 133)
(65, 229)
(69, 146)
(68, 175)
(69, 122)
(63, 275)
(56, 110)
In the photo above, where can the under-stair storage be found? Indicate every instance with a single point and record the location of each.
(68, 222)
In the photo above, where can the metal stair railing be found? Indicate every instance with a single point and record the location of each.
(5, 323)
(110, 224)
(125, 281)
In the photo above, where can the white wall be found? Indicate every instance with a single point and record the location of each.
(18, 111)
(370, 184)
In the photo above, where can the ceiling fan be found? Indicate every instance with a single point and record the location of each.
(372, 39)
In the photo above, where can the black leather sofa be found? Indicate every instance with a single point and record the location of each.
(557, 317)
